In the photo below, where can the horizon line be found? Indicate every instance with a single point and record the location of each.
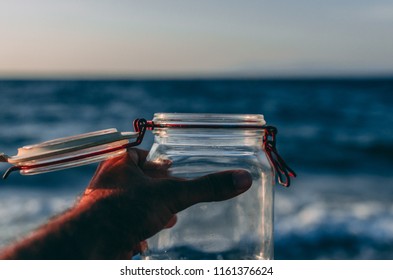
(189, 76)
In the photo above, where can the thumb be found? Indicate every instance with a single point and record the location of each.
(213, 187)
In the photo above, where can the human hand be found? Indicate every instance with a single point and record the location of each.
(143, 199)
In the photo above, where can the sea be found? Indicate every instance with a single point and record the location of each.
(337, 134)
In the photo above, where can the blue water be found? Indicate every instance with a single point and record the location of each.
(337, 135)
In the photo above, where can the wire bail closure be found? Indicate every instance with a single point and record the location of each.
(281, 170)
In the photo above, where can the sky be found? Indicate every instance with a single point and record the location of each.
(196, 38)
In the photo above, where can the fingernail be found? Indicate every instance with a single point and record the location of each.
(241, 179)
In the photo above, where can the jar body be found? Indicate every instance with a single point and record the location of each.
(239, 228)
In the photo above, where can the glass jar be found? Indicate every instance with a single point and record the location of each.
(198, 144)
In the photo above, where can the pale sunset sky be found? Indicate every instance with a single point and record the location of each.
(47, 38)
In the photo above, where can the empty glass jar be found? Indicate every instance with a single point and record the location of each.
(198, 144)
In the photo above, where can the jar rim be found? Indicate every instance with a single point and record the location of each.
(209, 119)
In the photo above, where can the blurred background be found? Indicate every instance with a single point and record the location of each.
(322, 72)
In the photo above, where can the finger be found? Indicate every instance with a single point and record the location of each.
(157, 168)
(126, 255)
(137, 249)
(111, 162)
(213, 187)
(138, 156)
(104, 167)
(171, 222)
(159, 164)
(133, 157)
(117, 171)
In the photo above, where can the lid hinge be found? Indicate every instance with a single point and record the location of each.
(280, 168)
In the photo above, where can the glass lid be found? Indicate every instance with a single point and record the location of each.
(66, 145)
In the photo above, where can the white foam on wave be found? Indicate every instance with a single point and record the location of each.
(325, 208)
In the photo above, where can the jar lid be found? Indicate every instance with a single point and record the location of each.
(73, 151)
(93, 141)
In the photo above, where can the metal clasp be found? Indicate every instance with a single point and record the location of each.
(281, 169)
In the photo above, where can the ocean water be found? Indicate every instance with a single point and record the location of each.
(337, 135)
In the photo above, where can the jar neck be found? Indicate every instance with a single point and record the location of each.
(208, 137)
(208, 129)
